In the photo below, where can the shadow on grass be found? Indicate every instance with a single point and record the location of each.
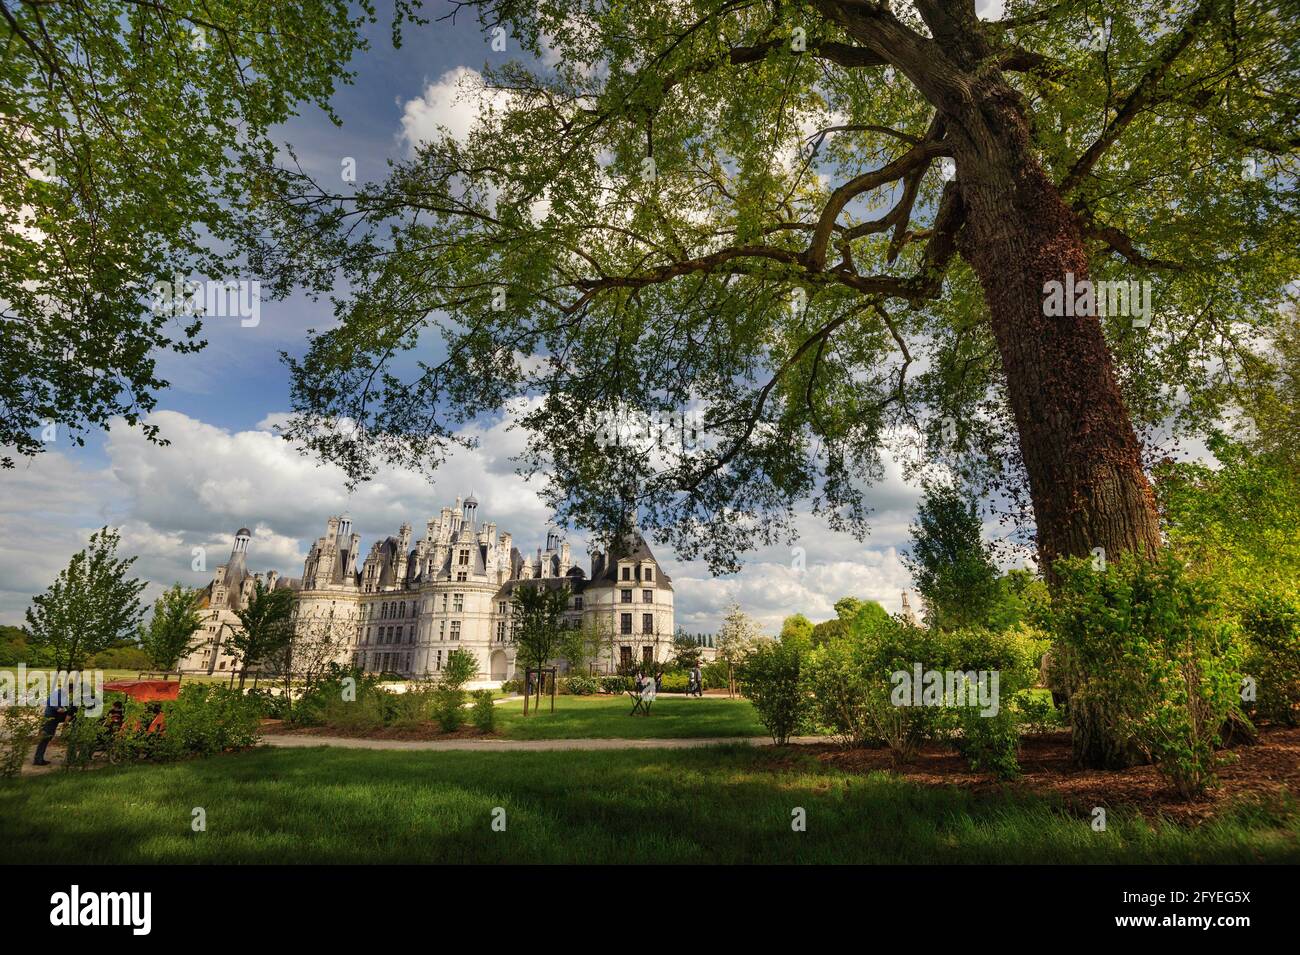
(723, 805)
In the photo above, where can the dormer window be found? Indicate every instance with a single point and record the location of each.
(649, 573)
(627, 573)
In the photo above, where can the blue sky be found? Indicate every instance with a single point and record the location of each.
(225, 468)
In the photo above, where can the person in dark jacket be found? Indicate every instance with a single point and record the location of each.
(57, 709)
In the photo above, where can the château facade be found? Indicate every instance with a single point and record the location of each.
(406, 605)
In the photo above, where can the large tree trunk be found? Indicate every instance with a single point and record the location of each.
(1077, 442)
(1080, 452)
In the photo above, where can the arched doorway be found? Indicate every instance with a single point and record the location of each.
(498, 664)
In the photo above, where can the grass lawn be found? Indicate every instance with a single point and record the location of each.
(724, 804)
(604, 717)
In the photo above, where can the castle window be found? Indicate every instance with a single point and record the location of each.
(461, 577)
(444, 603)
(627, 573)
(455, 630)
(457, 602)
(649, 573)
(647, 596)
(464, 558)
(625, 623)
(501, 632)
(442, 633)
(627, 596)
(501, 607)
(647, 623)
(577, 603)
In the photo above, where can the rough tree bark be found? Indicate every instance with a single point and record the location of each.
(1080, 452)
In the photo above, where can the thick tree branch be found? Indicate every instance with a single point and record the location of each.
(918, 155)
(1141, 95)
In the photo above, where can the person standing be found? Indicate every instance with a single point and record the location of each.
(57, 709)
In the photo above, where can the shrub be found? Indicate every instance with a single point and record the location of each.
(347, 699)
(990, 743)
(578, 685)
(1036, 713)
(1271, 623)
(615, 684)
(270, 706)
(839, 693)
(879, 655)
(990, 737)
(461, 667)
(770, 678)
(851, 682)
(675, 682)
(20, 727)
(512, 686)
(714, 675)
(205, 720)
(449, 705)
(484, 713)
(1150, 661)
(80, 736)
(417, 705)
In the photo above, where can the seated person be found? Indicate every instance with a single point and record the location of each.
(112, 720)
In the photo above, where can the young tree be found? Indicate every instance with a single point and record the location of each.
(687, 650)
(949, 561)
(91, 605)
(847, 609)
(775, 214)
(112, 183)
(265, 626)
(583, 645)
(173, 631)
(309, 652)
(537, 625)
(797, 632)
(737, 637)
(460, 668)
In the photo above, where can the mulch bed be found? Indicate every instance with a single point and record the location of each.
(1266, 772)
(417, 731)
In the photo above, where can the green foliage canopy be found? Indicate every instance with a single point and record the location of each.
(735, 209)
(91, 605)
(132, 134)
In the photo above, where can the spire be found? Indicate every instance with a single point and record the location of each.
(908, 615)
